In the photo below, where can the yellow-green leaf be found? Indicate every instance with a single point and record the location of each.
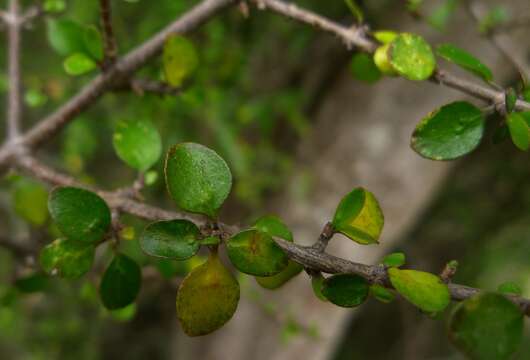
(180, 59)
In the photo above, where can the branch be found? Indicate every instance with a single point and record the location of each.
(122, 69)
(311, 257)
(360, 38)
(110, 48)
(14, 109)
(142, 86)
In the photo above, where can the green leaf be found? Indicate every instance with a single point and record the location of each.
(93, 42)
(425, 290)
(441, 15)
(35, 98)
(346, 290)
(54, 6)
(449, 132)
(411, 56)
(121, 283)
(33, 283)
(79, 214)
(207, 298)
(394, 260)
(382, 294)
(78, 64)
(465, 60)
(510, 99)
(30, 201)
(65, 36)
(174, 239)
(385, 36)
(276, 281)
(355, 10)
(197, 178)
(364, 69)
(137, 143)
(255, 253)
(382, 60)
(519, 131)
(510, 287)
(274, 226)
(67, 258)
(359, 217)
(496, 16)
(124, 314)
(317, 282)
(180, 59)
(487, 326)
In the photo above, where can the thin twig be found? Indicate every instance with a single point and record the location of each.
(110, 45)
(142, 86)
(14, 106)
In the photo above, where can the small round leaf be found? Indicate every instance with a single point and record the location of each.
(174, 239)
(27, 192)
(487, 326)
(449, 132)
(346, 290)
(79, 214)
(411, 56)
(180, 59)
(137, 143)
(519, 131)
(425, 290)
(121, 283)
(197, 178)
(255, 253)
(207, 298)
(79, 64)
(69, 259)
(359, 217)
(394, 260)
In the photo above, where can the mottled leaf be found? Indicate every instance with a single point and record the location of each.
(411, 56)
(67, 258)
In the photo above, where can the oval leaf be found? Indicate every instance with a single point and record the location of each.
(174, 239)
(137, 143)
(180, 59)
(449, 132)
(465, 60)
(255, 253)
(278, 280)
(67, 258)
(26, 192)
(346, 290)
(78, 64)
(274, 226)
(121, 282)
(93, 42)
(79, 214)
(197, 178)
(359, 217)
(425, 290)
(411, 56)
(487, 326)
(519, 131)
(394, 260)
(207, 298)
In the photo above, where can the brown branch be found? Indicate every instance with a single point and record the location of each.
(360, 38)
(110, 45)
(117, 73)
(311, 257)
(14, 106)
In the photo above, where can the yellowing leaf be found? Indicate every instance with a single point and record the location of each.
(180, 59)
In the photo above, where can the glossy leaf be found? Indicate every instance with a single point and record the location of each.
(278, 280)
(174, 239)
(121, 283)
(359, 217)
(363, 68)
(394, 260)
(137, 143)
(79, 64)
(425, 290)
(453, 130)
(30, 201)
(197, 178)
(465, 60)
(346, 290)
(411, 56)
(207, 298)
(274, 226)
(487, 326)
(519, 131)
(79, 214)
(180, 59)
(255, 253)
(67, 258)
